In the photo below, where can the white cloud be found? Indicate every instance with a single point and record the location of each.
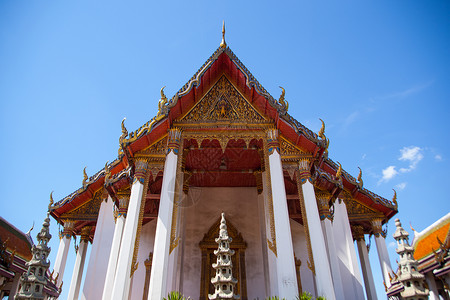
(392, 245)
(388, 174)
(413, 155)
(438, 157)
(364, 156)
(401, 186)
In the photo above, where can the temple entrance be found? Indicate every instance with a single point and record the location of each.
(208, 245)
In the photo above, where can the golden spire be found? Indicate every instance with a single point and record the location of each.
(322, 130)
(223, 44)
(107, 172)
(360, 181)
(394, 198)
(339, 171)
(85, 177)
(51, 201)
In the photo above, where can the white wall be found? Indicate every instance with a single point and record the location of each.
(241, 209)
(146, 243)
(301, 252)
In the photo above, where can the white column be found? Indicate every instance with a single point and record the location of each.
(269, 258)
(326, 218)
(358, 235)
(383, 255)
(63, 250)
(160, 263)
(122, 280)
(101, 246)
(341, 216)
(174, 250)
(77, 274)
(324, 281)
(286, 276)
(434, 294)
(115, 247)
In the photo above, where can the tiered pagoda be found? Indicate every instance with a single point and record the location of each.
(224, 283)
(223, 143)
(34, 284)
(407, 282)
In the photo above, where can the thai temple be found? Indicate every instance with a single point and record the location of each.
(153, 220)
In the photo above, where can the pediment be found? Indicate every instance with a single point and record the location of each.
(87, 211)
(223, 102)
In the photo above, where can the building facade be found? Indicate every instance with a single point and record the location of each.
(222, 143)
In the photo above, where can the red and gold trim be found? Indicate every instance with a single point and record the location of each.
(272, 141)
(174, 140)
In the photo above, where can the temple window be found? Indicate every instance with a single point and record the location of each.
(40, 271)
(36, 289)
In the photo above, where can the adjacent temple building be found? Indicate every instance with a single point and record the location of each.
(222, 143)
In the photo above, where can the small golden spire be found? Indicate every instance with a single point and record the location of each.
(223, 44)
(107, 172)
(339, 171)
(360, 181)
(51, 201)
(394, 198)
(85, 177)
(322, 130)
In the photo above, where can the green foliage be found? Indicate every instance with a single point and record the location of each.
(274, 298)
(305, 296)
(176, 296)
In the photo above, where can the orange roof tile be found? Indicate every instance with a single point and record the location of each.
(427, 242)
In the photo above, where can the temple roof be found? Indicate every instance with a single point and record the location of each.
(15, 239)
(223, 63)
(427, 241)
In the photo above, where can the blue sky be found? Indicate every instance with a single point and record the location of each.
(376, 72)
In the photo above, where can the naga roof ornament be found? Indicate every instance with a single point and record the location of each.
(394, 199)
(282, 102)
(360, 181)
(85, 177)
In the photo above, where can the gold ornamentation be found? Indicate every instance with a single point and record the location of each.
(357, 211)
(85, 233)
(310, 262)
(162, 102)
(272, 242)
(134, 264)
(107, 172)
(377, 226)
(282, 101)
(323, 199)
(272, 141)
(288, 150)
(223, 44)
(87, 211)
(223, 103)
(394, 199)
(85, 178)
(51, 201)
(174, 140)
(357, 232)
(303, 167)
(325, 140)
(339, 171)
(360, 181)
(123, 136)
(174, 239)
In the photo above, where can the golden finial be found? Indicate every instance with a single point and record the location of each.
(124, 132)
(410, 225)
(394, 198)
(283, 102)
(85, 177)
(360, 181)
(223, 44)
(51, 201)
(322, 130)
(107, 172)
(339, 171)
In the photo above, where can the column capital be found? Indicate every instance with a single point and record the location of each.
(85, 233)
(68, 228)
(323, 203)
(303, 167)
(272, 141)
(357, 232)
(377, 228)
(173, 140)
(124, 199)
(140, 168)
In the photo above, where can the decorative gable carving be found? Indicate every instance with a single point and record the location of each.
(223, 103)
(357, 210)
(87, 211)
